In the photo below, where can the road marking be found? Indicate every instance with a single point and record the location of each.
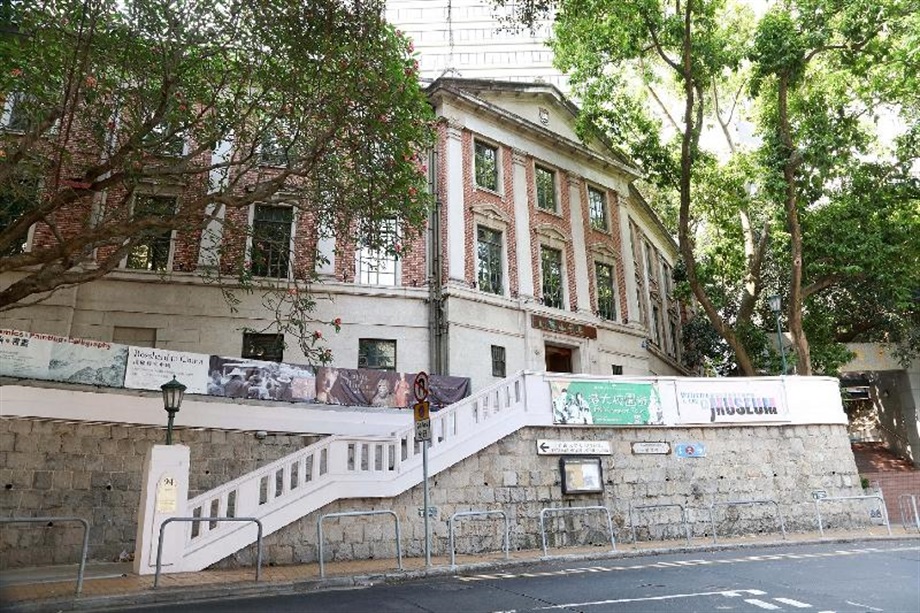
(856, 604)
(595, 603)
(762, 604)
(684, 563)
(793, 603)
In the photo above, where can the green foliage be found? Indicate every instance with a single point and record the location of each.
(314, 104)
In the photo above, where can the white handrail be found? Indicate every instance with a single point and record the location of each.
(365, 466)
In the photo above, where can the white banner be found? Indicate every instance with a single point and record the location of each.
(149, 368)
(731, 401)
(58, 358)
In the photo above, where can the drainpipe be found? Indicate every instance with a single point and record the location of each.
(436, 324)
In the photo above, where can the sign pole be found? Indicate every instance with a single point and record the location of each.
(423, 435)
(425, 504)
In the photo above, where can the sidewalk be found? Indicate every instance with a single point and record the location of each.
(115, 585)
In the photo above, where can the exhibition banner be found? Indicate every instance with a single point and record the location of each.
(58, 358)
(260, 380)
(149, 368)
(605, 403)
(731, 401)
(383, 388)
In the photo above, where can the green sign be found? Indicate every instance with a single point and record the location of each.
(605, 403)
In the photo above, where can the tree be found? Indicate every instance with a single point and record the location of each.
(809, 76)
(311, 103)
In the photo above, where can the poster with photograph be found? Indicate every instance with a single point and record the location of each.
(259, 380)
(58, 358)
(384, 388)
(605, 403)
(734, 401)
(149, 368)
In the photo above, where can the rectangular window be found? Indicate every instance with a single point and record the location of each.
(18, 197)
(672, 350)
(137, 337)
(606, 291)
(551, 265)
(546, 189)
(597, 209)
(486, 163)
(616, 369)
(13, 115)
(273, 149)
(271, 241)
(267, 347)
(377, 265)
(376, 353)
(498, 361)
(166, 140)
(489, 250)
(152, 249)
(656, 325)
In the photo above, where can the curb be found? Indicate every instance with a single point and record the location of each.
(251, 589)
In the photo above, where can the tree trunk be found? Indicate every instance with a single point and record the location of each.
(794, 300)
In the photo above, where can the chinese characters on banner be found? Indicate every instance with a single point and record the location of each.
(605, 403)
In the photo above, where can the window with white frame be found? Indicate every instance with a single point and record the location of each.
(490, 262)
(153, 249)
(606, 290)
(545, 180)
(552, 277)
(597, 209)
(165, 139)
(268, 347)
(377, 263)
(273, 150)
(270, 255)
(485, 162)
(13, 115)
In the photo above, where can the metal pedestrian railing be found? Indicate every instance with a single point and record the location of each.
(156, 577)
(319, 534)
(908, 502)
(641, 507)
(50, 522)
(545, 511)
(738, 503)
(450, 523)
(878, 497)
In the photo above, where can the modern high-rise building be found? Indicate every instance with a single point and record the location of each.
(468, 38)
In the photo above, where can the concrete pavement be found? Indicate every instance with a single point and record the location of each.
(115, 586)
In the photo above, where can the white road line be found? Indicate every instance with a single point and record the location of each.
(762, 604)
(793, 603)
(651, 599)
(856, 604)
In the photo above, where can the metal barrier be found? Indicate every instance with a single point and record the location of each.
(902, 505)
(156, 576)
(450, 524)
(50, 521)
(544, 511)
(878, 497)
(319, 533)
(738, 503)
(683, 517)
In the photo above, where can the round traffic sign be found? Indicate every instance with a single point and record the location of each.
(420, 386)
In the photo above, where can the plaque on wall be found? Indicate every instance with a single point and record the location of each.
(560, 326)
(651, 448)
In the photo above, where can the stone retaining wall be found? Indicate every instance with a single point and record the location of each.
(785, 463)
(93, 471)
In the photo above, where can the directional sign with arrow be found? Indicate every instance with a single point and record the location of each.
(551, 447)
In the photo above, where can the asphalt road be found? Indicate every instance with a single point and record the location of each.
(858, 577)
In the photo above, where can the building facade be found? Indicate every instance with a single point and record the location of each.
(539, 255)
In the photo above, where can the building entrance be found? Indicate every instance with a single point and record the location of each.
(558, 359)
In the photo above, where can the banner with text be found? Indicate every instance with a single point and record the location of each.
(731, 401)
(57, 358)
(149, 368)
(605, 403)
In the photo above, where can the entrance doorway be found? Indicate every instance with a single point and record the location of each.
(558, 359)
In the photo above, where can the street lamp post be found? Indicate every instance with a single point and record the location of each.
(776, 305)
(172, 400)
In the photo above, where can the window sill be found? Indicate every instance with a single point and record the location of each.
(487, 190)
